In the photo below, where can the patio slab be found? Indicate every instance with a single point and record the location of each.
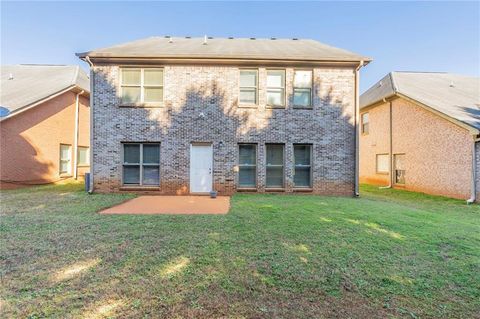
(174, 205)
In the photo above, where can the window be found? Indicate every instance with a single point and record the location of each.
(141, 164)
(382, 163)
(247, 165)
(65, 159)
(365, 122)
(303, 165)
(83, 156)
(302, 88)
(141, 86)
(274, 165)
(276, 87)
(399, 162)
(248, 87)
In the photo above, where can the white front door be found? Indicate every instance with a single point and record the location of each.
(201, 162)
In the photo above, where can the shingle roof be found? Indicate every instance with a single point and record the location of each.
(25, 84)
(456, 96)
(227, 48)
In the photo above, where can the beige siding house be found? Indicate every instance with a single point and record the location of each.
(420, 131)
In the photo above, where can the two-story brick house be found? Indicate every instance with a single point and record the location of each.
(192, 115)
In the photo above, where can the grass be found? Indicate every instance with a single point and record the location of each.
(388, 254)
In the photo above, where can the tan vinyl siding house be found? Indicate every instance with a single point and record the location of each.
(178, 115)
(45, 135)
(423, 132)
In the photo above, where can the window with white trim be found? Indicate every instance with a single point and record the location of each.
(275, 165)
(141, 85)
(83, 158)
(303, 165)
(365, 123)
(65, 159)
(141, 164)
(302, 88)
(248, 87)
(247, 165)
(276, 88)
(382, 165)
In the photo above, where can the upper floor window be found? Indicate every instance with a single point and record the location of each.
(365, 123)
(276, 88)
(248, 86)
(141, 86)
(302, 88)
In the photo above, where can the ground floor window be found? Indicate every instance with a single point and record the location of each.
(275, 165)
(83, 156)
(65, 159)
(303, 165)
(247, 165)
(141, 164)
(399, 161)
(382, 165)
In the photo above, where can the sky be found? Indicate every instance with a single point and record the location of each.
(399, 36)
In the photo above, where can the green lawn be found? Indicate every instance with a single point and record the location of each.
(387, 254)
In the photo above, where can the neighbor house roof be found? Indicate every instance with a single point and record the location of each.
(455, 96)
(226, 48)
(25, 85)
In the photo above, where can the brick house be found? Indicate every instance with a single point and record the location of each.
(44, 123)
(190, 115)
(420, 131)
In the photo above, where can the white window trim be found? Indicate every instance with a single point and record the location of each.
(240, 103)
(69, 160)
(282, 88)
(87, 163)
(142, 88)
(376, 163)
(311, 90)
(140, 164)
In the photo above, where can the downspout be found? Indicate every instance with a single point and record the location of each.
(473, 195)
(92, 81)
(357, 133)
(390, 171)
(75, 138)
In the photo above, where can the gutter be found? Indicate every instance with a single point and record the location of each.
(75, 137)
(92, 85)
(357, 128)
(473, 194)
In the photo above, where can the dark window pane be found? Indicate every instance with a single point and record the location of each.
(274, 154)
(274, 176)
(302, 154)
(151, 175)
(131, 174)
(131, 153)
(247, 176)
(302, 177)
(151, 153)
(247, 155)
(301, 97)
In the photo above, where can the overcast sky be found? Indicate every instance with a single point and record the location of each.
(413, 36)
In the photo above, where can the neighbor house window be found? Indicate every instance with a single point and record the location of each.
(248, 86)
(142, 86)
(382, 163)
(141, 164)
(83, 156)
(303, 165)
(65, 159)
(399, 162)
(365, 123)
(247, 165)
(276, 87)
(274, 165)
(302, 88)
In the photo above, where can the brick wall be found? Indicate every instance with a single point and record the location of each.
(30, 141)
(477, 158)
(213, 90)
(437, 152)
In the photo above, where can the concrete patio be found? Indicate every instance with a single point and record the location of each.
(174, 205)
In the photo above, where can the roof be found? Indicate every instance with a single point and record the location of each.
(226, 48)
(26, 84)
(456, 96)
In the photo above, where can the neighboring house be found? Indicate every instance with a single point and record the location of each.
(192, 115)
(420, 131)
(44, 123)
